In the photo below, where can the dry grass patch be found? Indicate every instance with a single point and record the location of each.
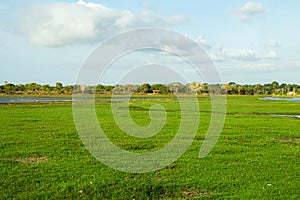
(193, 193)
(288, 139)
(32, 159)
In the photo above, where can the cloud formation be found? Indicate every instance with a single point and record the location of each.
(176, 19)
(216, 58)
(271, 55)
(203, 42)
(247, 54)
(240, 54)
(250, 67)
(272, 43)
(258, 67)
(248, 11)
(62, 23)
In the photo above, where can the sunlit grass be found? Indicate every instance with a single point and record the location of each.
(43, 157)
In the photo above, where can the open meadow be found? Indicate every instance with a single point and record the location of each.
(256, 156)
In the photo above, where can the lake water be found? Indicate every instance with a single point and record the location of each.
(281, 99)
(60, 99)
(294, 99)
(57, 99)
(280, 115)
(32, 99)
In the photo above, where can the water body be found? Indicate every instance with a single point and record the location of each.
(280, 115)
(293, 99)
(32, 99)
(63, 99)
(281, 99)
(60, 99)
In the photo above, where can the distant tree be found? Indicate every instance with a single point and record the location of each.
(275, 87)
(233, 88)
(226, 88)
(241, 90)
(59, 88)
(249, 89)
(46, 89)
(100, 89)
(176, 88)
(68, 89)
(108, 88)
(195, 87)
(163, 89)
(258, 89)
(2, 89)
(216, 89)
(20, 88)
(32, 88)
(297, 89)
(267, 89)
(76, 89)
(87, 89)
(125, 89)
(283, 88)
(9, 88)
(144, 89)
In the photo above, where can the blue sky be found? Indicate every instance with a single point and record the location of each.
(248, 41)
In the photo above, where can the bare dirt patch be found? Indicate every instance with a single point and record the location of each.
(32, 159)
(193, 192)
(288, 139)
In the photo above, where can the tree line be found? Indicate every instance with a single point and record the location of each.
(231, 88)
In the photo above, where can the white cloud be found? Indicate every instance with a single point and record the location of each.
(258, 67)
(125, 20)
(271, 55)
(148, 6)
(272, 43)
(62, 23)
(174, 49)
(176, 19)
(247, 54)
(250, 67)
(248, 11)
(203, 42)
(251, 8)
(57, 24)
(89, 4)
(241, 54)
(216, 58)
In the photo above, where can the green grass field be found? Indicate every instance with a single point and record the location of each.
(256, 157)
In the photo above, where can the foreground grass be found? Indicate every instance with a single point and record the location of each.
(256, 157)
